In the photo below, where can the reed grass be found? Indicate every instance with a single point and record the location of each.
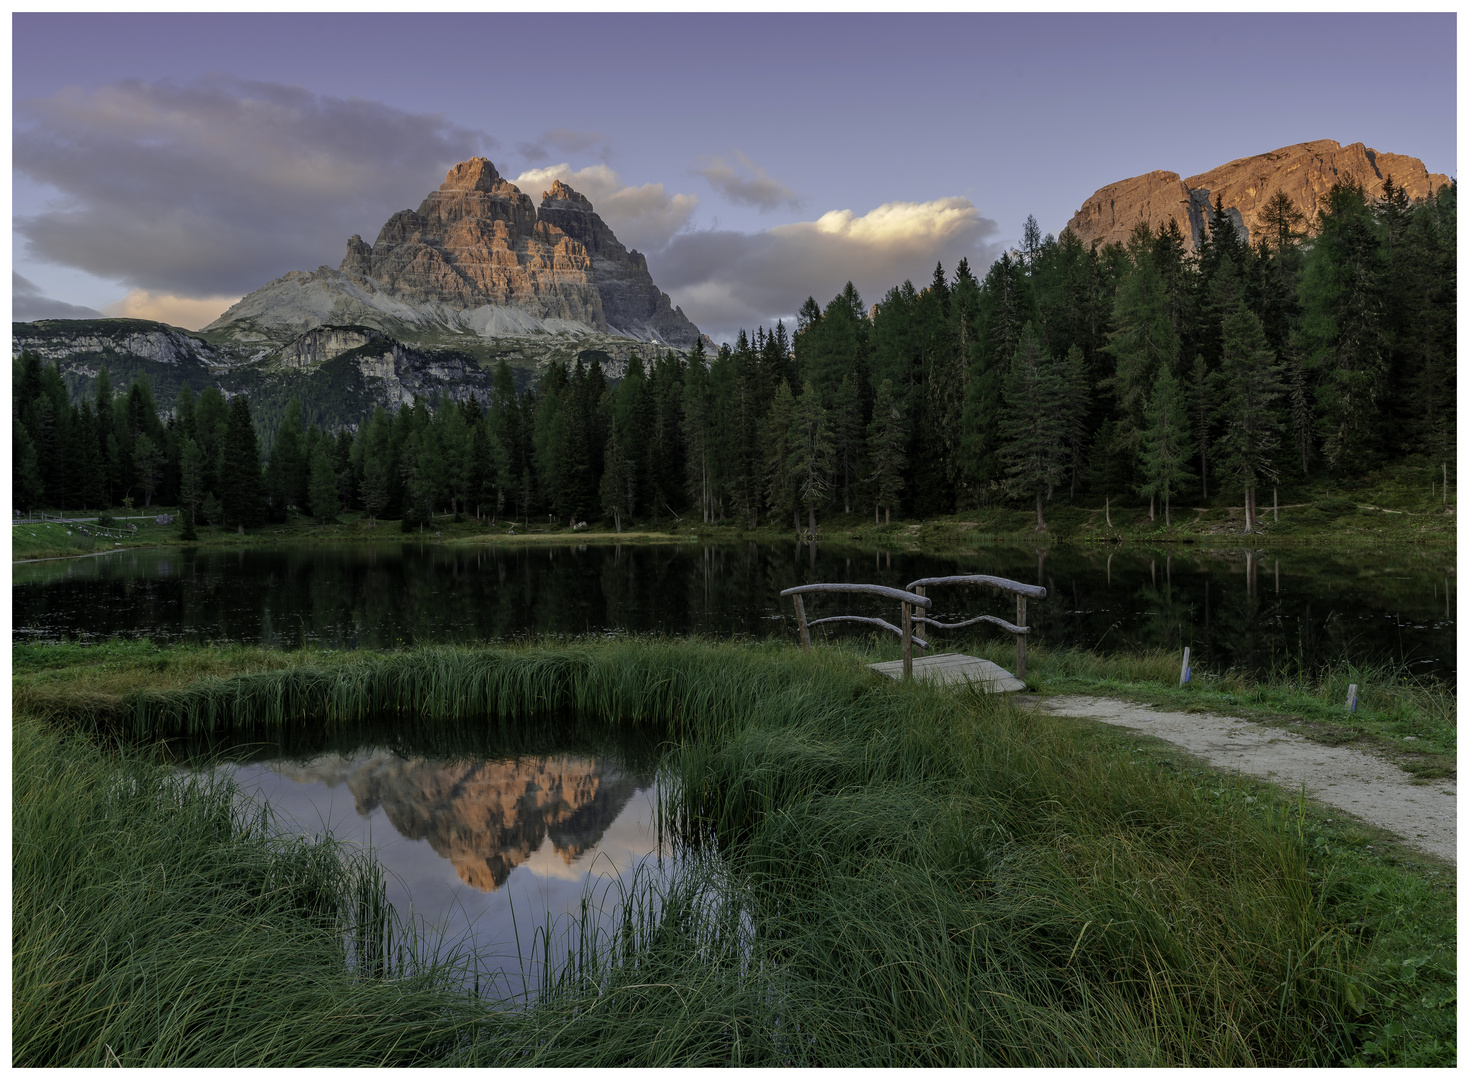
(158, 922)
(874, 874)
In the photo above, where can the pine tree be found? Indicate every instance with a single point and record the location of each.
(1252, 388)
(148, 460)
(191, 479)
(1033, 423)
(847, 437)
(885, 441)
(780, 485)
(242, 494)
(616, 489)
(1166, 442)
(324, 499)
(810, 463)
(698, 434)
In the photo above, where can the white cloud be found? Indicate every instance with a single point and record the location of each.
(644, 217)
(726, 280)
(745, 182)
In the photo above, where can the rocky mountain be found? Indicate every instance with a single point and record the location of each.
(476, 259)
(477, 274)
(1305, 172)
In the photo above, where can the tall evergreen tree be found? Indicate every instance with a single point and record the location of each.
(1033, 423)
(1252, 388)
(885, 442)
(1166, 444)
(242, 494)
(810, 464)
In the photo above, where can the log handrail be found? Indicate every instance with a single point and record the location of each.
(1035, 592)
(873, 622)
(1018, 627)
(885, 591)
(908, 600)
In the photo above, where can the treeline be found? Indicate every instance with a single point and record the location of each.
(1126, 371)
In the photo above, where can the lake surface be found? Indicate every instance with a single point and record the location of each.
(481, 853)
(1239, 608)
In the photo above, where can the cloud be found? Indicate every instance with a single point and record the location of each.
(28, 303)
(645, 218)
(726, 280)
(189, 312)
(214, 187)
(749, 184)
(570, 143)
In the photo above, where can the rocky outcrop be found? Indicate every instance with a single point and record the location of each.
(316, 347)
(1305, 172)
(99, 339)
(631, 303)
(475, 257)
(486, 818)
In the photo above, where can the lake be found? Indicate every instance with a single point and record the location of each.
(1235, 608)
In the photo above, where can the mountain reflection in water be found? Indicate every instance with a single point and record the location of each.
(485, 817)
(481, 853)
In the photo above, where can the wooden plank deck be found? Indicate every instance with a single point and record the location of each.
(947, 668)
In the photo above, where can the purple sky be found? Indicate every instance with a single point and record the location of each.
(164, 165)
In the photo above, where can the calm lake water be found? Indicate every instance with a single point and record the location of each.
(1239, 608)
(485, 843)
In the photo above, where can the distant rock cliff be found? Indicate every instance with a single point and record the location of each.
(475, 258)
(1305, 172)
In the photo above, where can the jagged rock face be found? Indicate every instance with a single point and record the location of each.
(631, 302)
(1306, 172)
(326, 343)
(476, 257)
(488, 817)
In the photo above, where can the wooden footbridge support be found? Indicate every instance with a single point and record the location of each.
(916, 609)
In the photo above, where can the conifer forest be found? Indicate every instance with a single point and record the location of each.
(1139, 373)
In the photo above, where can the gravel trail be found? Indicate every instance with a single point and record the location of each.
(1425, 815)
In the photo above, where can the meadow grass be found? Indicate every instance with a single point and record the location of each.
(878, 874)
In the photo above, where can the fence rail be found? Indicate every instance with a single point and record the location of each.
(1021, 591)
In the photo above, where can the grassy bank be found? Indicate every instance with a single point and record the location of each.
(1398, 504)
(894, 876)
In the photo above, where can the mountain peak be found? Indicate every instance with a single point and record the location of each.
(476, 174)
(563, 196)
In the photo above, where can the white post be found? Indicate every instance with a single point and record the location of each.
(1183, 672)
(1352, 697)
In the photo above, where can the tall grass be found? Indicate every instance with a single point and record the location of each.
(157, 923)
(878, 874)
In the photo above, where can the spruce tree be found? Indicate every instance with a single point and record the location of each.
(885, 441)
(810, 463)
(780, 485)
(1252, 389)
(325, 500)
(1033, 423)
(1166, 443)
(242, 494)
(616, 488)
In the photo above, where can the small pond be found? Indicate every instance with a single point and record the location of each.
(484, 848)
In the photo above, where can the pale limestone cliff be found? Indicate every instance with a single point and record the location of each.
(1305, 172)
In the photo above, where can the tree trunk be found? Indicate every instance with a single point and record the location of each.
(1040, 522)
(1152, 516)
(1167, 513)
(1109, 511)
(811, 515)
(887, 512)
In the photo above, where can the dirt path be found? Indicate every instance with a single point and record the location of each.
(1425, 815)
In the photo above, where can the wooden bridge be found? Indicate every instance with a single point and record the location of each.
(916, 608)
